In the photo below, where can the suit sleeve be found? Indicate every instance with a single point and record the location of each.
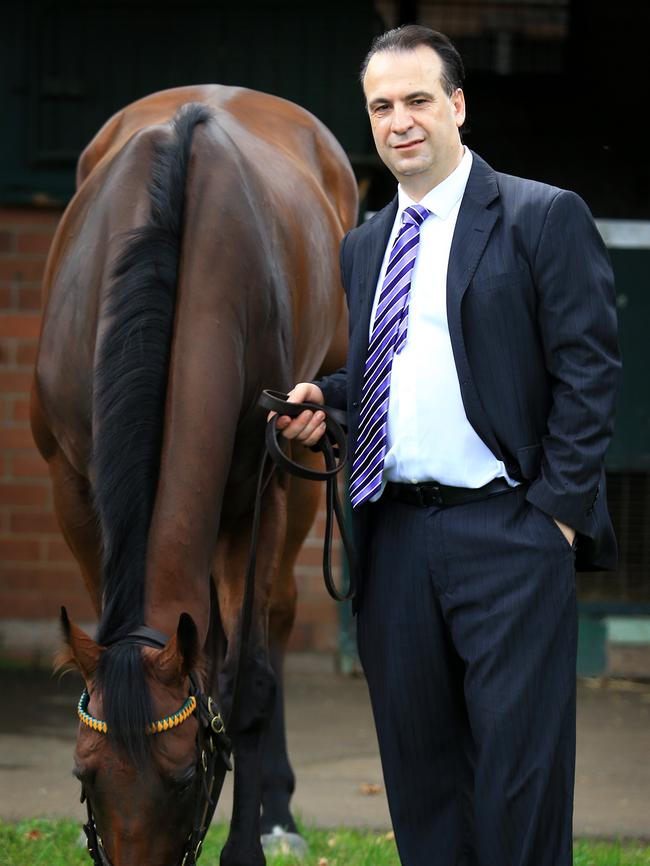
(335, 385)
(578, 328)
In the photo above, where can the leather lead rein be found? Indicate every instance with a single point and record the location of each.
(333, 446)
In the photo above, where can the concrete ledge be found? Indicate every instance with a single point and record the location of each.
(33, 641)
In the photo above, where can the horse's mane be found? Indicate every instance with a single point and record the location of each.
(129, 403)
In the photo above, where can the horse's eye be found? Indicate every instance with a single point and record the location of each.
(184, 782)
(83, 774)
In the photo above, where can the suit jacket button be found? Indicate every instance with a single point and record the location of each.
(355, 404)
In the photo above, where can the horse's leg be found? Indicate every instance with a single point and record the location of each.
(78, 522)
(278, 780)
(256, 695)
(72, 502)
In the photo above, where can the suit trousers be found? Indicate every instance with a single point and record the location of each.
(467, 633)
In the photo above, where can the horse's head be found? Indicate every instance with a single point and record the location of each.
(149, 747)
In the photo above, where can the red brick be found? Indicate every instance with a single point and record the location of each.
(6, 298)
(20, 325)
(19, 409)
(26, 579)
(299, 640)
(317, 611)
(26, 352)
(30, 297)
(19, 269)
(19, 550)
(15, 217)
(57, 550)
(60, 572)
(6, 241)
(323, 637)
(16, 437)
(29, 466)
(24, 494)
(34, 523)
(42, 605)
(7, 352)
(15, 382)
(34, 243)
(310, 557)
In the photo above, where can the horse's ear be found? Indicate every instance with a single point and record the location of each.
(180, 654)
(80, 650)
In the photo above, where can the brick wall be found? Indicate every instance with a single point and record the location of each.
(37, 572)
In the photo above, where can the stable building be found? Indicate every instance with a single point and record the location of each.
(553, 92)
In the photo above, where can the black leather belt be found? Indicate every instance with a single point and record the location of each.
(432, 493)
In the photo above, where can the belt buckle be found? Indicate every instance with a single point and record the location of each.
(429, 494)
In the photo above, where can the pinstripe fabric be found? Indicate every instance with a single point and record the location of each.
(387, 339)
(469, 648)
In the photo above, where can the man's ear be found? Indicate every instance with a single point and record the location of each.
(458, 101)
(79, 651)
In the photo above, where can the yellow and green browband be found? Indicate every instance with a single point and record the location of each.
(165, 724)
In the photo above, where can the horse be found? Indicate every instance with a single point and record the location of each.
(195, 266)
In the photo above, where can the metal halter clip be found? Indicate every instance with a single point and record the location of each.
(216, 723)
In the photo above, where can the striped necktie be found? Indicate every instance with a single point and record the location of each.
(387, 339)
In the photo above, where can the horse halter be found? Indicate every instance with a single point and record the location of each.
(213, 748)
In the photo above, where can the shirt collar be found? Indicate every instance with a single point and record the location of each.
(442, 199)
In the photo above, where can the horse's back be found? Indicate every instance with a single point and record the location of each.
(281, 124)
(266, 177)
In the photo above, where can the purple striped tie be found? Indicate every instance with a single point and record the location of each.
(387, 339)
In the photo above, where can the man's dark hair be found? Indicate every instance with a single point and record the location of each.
(408, 38)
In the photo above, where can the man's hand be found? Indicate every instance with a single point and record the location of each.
(309, 426)
(567, 532)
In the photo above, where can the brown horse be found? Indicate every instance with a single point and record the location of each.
(196, 265)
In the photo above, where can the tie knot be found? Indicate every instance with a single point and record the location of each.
(415, 215)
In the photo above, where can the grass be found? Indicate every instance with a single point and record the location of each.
(55, 843)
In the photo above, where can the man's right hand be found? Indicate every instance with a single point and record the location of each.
(309, 426)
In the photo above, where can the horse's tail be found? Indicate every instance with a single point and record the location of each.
(131, 379)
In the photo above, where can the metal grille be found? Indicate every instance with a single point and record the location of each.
(507, 38)
(628, 496)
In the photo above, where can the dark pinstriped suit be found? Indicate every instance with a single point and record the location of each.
(467, 623)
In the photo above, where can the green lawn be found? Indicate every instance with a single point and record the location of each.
(54, 843)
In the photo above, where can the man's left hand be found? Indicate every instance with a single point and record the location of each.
(567, 532)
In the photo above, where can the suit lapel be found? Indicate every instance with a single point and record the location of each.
(473, 228)
(372, 256)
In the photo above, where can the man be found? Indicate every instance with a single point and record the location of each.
(480, 389)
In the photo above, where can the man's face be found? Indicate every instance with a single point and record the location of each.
(414, 123)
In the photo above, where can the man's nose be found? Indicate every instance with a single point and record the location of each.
(402, 119)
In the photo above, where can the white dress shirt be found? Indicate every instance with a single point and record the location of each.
(429, 436)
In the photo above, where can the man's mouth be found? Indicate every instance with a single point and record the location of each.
(407, 144)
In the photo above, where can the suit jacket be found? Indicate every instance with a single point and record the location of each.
(532, 319)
